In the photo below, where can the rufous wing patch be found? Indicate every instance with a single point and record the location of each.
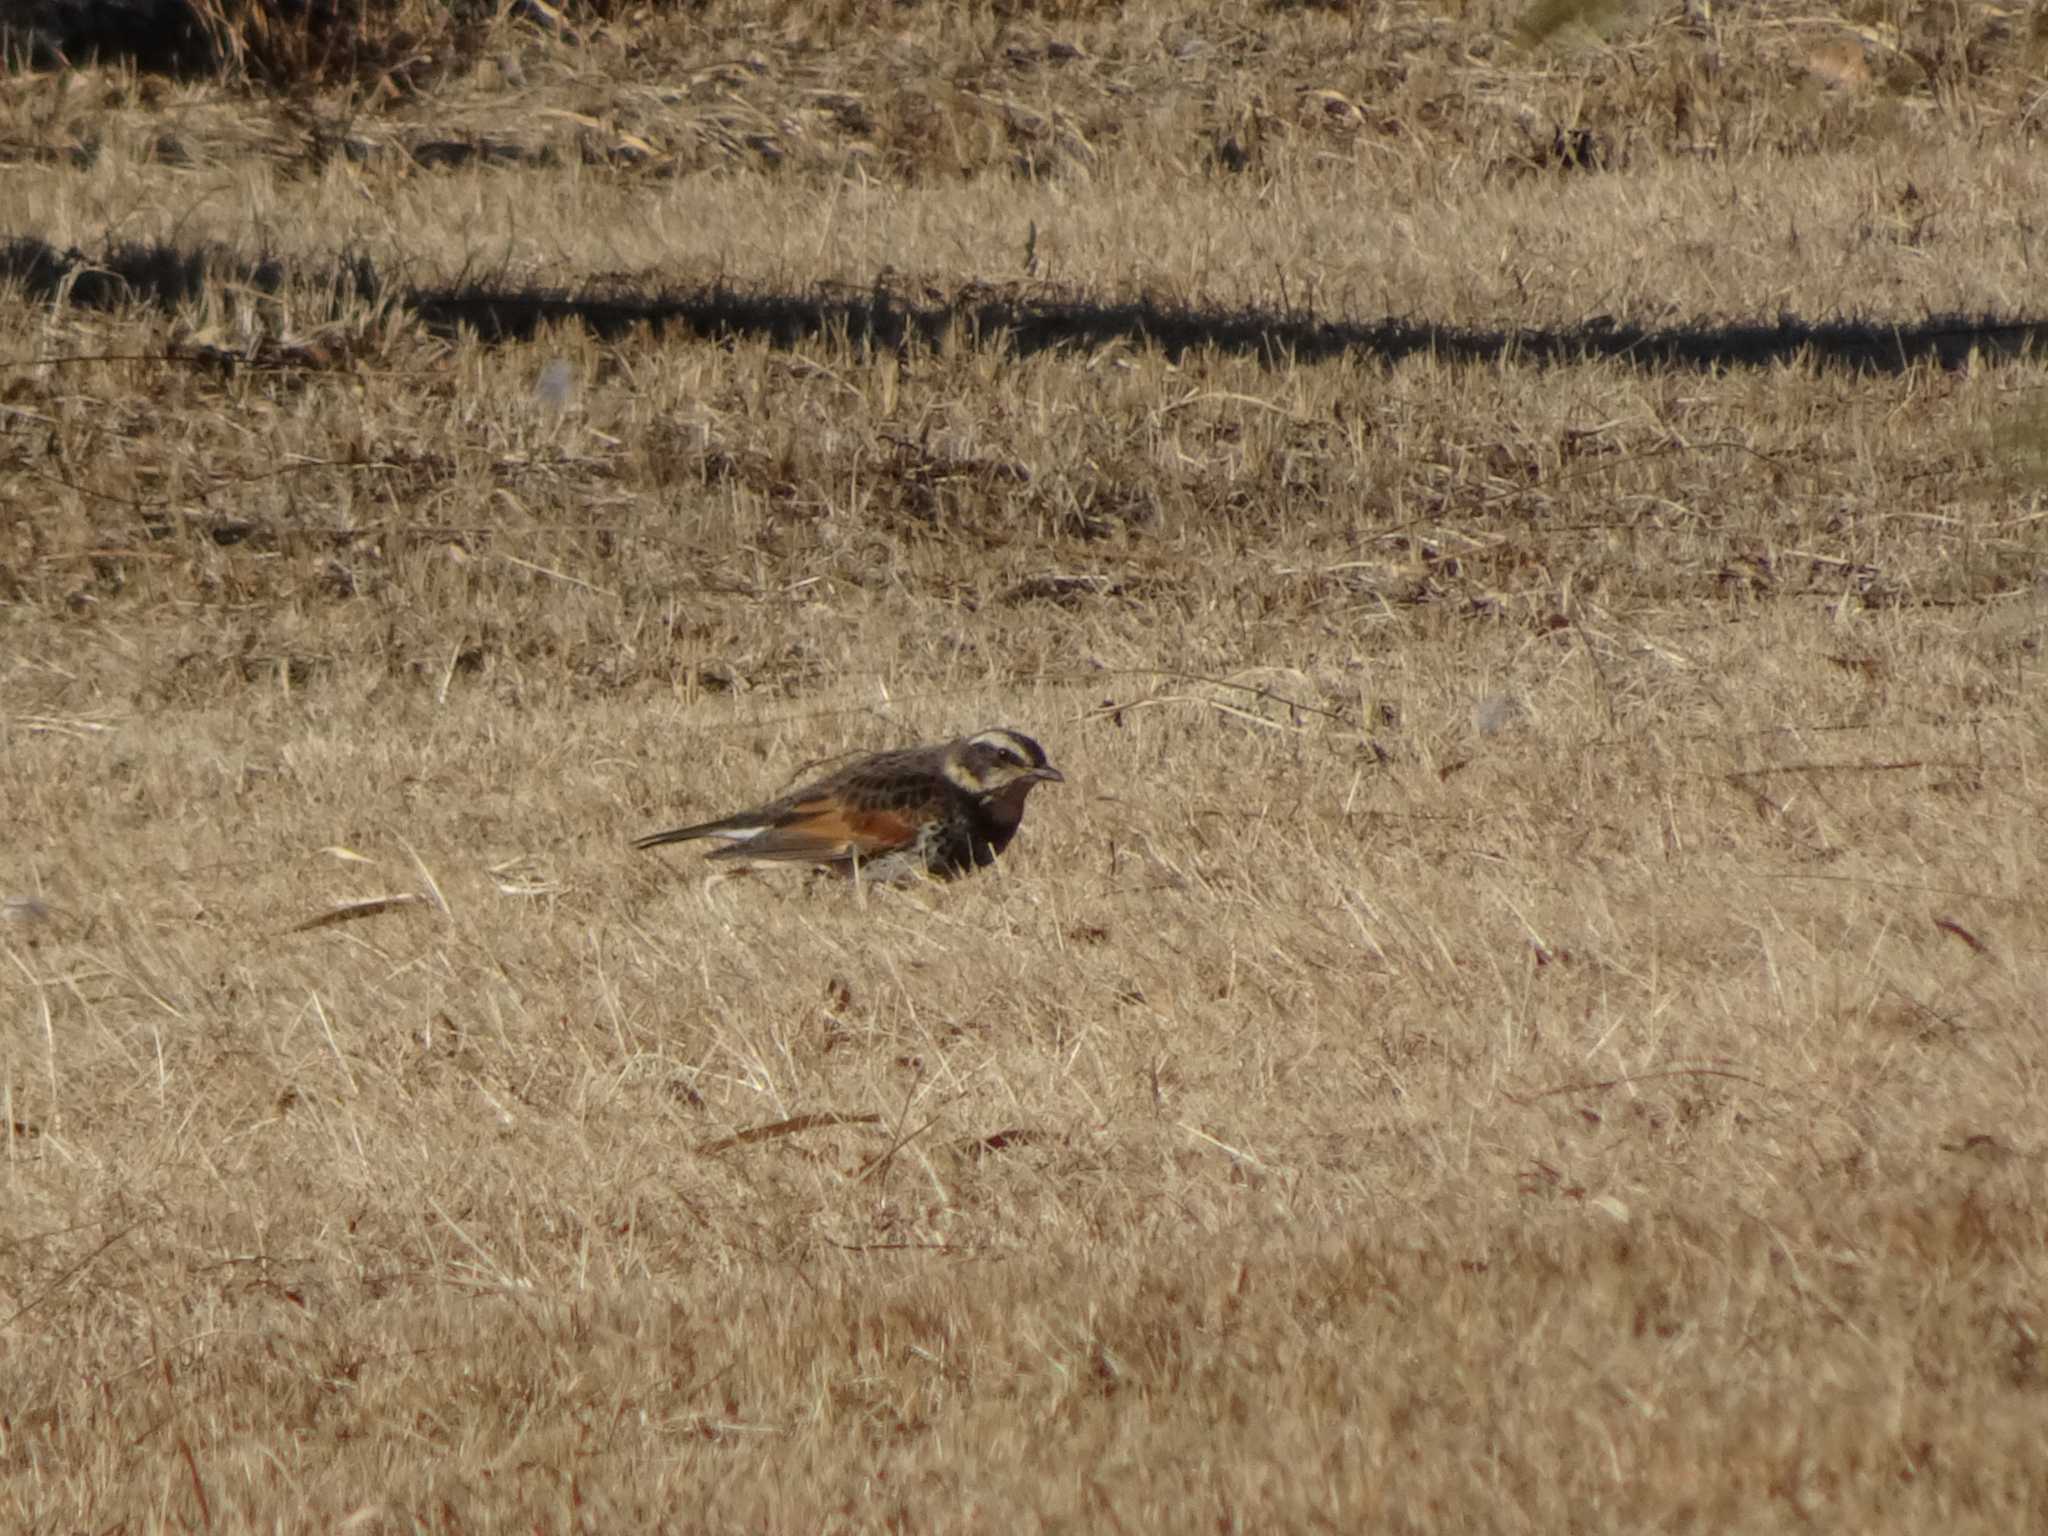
(825, 830)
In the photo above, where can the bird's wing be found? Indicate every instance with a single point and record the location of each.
(863, 810)
(823, 829)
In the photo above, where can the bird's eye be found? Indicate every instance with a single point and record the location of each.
(1005, 755)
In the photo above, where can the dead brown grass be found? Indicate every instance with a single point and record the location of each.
(1527, 1015)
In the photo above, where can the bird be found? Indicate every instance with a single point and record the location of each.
(940, 810)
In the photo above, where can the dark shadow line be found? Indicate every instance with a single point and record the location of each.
(1023, 321)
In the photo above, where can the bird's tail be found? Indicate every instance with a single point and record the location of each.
(676, 835)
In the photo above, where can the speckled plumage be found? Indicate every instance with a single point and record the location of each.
(940, 810)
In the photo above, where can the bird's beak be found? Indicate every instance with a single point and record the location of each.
(1049, 775)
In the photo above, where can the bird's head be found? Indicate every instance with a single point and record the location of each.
(1000, 766)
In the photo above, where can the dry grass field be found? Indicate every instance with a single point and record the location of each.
(1527, 1014)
